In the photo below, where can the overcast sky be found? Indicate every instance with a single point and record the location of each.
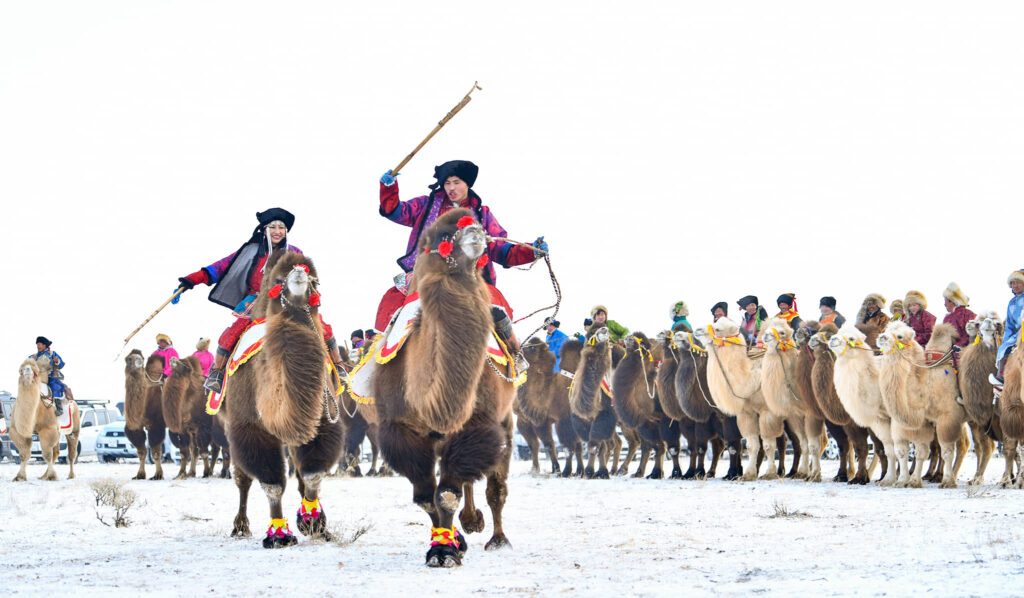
(666, 150)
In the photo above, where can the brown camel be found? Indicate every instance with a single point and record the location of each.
(542, 402)
(593, 416)
(1011, 402)
(636, 404)
(441, 400)
(689, 384)
(837, 420)
(977, 362)
(281, 399)
(34, 413)
(188, 423)
(676, 422)
(143, 409)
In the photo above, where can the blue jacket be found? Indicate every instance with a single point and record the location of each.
(1011, 329)
(56, 376)
(555, 340)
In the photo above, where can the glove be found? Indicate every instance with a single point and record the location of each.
(387, 179)
(177, 297)
(541, 245)
(587, 322)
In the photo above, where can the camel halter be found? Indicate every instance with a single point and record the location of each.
(651, 390)
(781, 344)
(852, 343)
(721, 341)
(447, 244)
(730, 340)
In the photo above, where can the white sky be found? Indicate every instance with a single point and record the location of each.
(667, 150)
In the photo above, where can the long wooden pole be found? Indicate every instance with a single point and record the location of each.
(443, 122)
(177, 292)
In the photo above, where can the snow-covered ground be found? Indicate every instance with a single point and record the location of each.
(621, 537)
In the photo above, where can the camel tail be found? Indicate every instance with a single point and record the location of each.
(291, 381)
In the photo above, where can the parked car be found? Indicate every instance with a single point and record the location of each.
(7, 449)
(113, 444)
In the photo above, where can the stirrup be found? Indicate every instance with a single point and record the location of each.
(215, 381)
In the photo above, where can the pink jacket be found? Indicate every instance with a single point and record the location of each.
(205, 359)
(167, 354)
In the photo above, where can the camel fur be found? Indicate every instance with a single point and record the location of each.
(184, 408)
(440, 404)
(143, 409)
(542, 402)
(1011, 402)
(592, 414)
(31, 415)
(637, 405)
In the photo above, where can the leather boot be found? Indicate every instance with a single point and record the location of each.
(503, 327)
(57, 406)
(215, 380)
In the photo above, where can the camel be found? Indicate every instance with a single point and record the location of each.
(34, 413)
(184, 408)
(855, 376)
(637, 404)
(593, 416)
(143, 409)
(442, 402)
(219, 445)
(690, 387)
(921, 397)
(1010, 403)
(838, 421)
(734, 381)
(542, 402)
(281, 398)
(779, 387)
(673, 421)
(977, 362)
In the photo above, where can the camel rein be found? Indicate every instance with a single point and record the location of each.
(728, 383)
(554, 284)
(328, 396)
(696, 377)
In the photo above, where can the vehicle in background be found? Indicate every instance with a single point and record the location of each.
(95, 415)
(113, 444)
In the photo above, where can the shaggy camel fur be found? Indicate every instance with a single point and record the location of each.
(675, 420)
(184, 407)
(31, 415)
(636, 405)
(592, 414)
(977, 362)
(838, 421)
(778, 385)
(710, 424)
(440, 404)
(921, 398)
(1011, 402)
(572, 351)
(735, 384)
(542, 402)
(855, 377)
(143, 409)
(279, 400)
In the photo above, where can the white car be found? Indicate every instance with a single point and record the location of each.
(113, 444)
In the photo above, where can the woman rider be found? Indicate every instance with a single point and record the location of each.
(452, 189)
(237, 278)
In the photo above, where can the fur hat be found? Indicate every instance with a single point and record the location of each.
(357, 333)
(877, 298)
(680, 309)
(1017, 275)
(747, 300)
(44, 340)
(549, 321)
(203, 344)
(163, 337)
(915, 297)
(370, 333)
(723, 305)
(597, 308)
(829, 302)
(273, 214)
(464, 169)
(789, 299)
(954, 294)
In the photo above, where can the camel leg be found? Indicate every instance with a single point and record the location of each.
(592, 449)
(212, 462)
(602, 458)
(845, 457)
(138, 439)
(72, 454)
(659, 459)
(225, 468)
(470, 518)
(881, 435)
(794, 431)
(935, 464)
(902, 445)
(857, 438)
(530, 436)
(1009, 453)
(567, 437)
(982, 450)
(50, 443)
(603, 431)
(313, 461)
(260, 456)
(497, 492)
(616, 448)
(645, 451)
(813, 429)
(776, 471)
(748, 426)
(632, 447)
(950, 435)
(963, 444)
(689, 431)
(544, 434)
(193, 449)
(186, 453)
(155, 435)
(24, 445)
(717, 446)
(578, 449)
(669, 431)
(241, 525)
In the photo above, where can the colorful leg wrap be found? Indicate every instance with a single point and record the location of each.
(309, 510)
(442, 536)
(279, 528)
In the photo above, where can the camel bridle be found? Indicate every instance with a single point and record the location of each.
(651, 389)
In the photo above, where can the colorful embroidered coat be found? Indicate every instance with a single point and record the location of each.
(1012, 325)
(959, 318)
(55, 380)
(922, 322)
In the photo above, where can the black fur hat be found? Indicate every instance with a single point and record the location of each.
(44, 340)
(829, 302)
(273, 214)
(464, 169)
(723, 305)
(747, 300)
(357, 333)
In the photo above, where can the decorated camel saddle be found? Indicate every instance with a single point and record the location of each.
(64, 421)
(388, 345)
(250, 343)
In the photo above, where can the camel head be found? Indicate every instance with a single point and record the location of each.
(29, 373)
(457, 239)
(292, 285)
(822, 337)
(897, 335)
(181, 367)
(802, 335)
(637, 340)
(847, 336)
(686, 342)
(991, 328)
(599, 336)
(154, 367)
(535, 349)
(134, 361)
(972, 327)
(723, 327)
(776, 332)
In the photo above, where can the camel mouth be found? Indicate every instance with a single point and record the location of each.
(835, 343)
(702, 335)
(138, 362)
(298, 282)
(680, 338)
(602, 335)
(27, 374)
(472, 241)
(886, 340)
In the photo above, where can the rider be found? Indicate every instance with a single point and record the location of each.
(679, 313)
(453, 188)
(237, 278)
(56, 379)
(599, 315)
(165, 349)
(554, 339)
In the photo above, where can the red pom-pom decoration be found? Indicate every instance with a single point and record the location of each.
(426, 250)
(464, 221)
(445, 249)
(314, 300)
(480, 263)
(301, 267)
(274, 292)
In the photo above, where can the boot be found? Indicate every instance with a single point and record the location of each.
(503, 326)
(57, 406)
(215, 381)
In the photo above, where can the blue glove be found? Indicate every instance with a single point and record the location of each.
(387, 179)
(540, 244)
(177, 297)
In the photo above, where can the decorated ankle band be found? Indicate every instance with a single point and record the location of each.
(442, 536)
(279, 528)
(310, 510)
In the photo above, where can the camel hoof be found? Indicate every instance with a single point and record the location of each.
(656, 475)
(225, 474)
(157, 476)
(690, 474)
(622, 471)
(677, 474)
(207, 474)
(566, 473)
(639, 474)
(771, 475)
(313, 527)
(285, 541)
(444, 556)
(858, 480)
(602, 474)
(948, 484)
(241, 531)
(841, 478)
(498, 542)
(472, 522)
(71, 476)
(49, 477)
(180, 476)
(816, 478)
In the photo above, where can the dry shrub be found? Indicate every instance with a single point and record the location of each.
(114, 495)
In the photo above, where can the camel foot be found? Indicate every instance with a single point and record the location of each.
(814, 477)
(771, 475)
(656, 474)
(567, 472)
(842, 477)
(158, 476)
(180, 476)
(278, 535)
(441, 556)
(690, 474)
(49, 476)
(497, 542)
(732, 476)
(241, 528)
(976, 481)
(535, 470)
(1019, 483)
(588, 472)
(749, 477)
(140, 476)
(950, 483)
(602, 474)
(312, 523)
(207, 474)
(555, 469)
(19, 478)
(71, 475)
(622, 471)
(859, 480)
(356, 472)
(677, 474)
(472, 522)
